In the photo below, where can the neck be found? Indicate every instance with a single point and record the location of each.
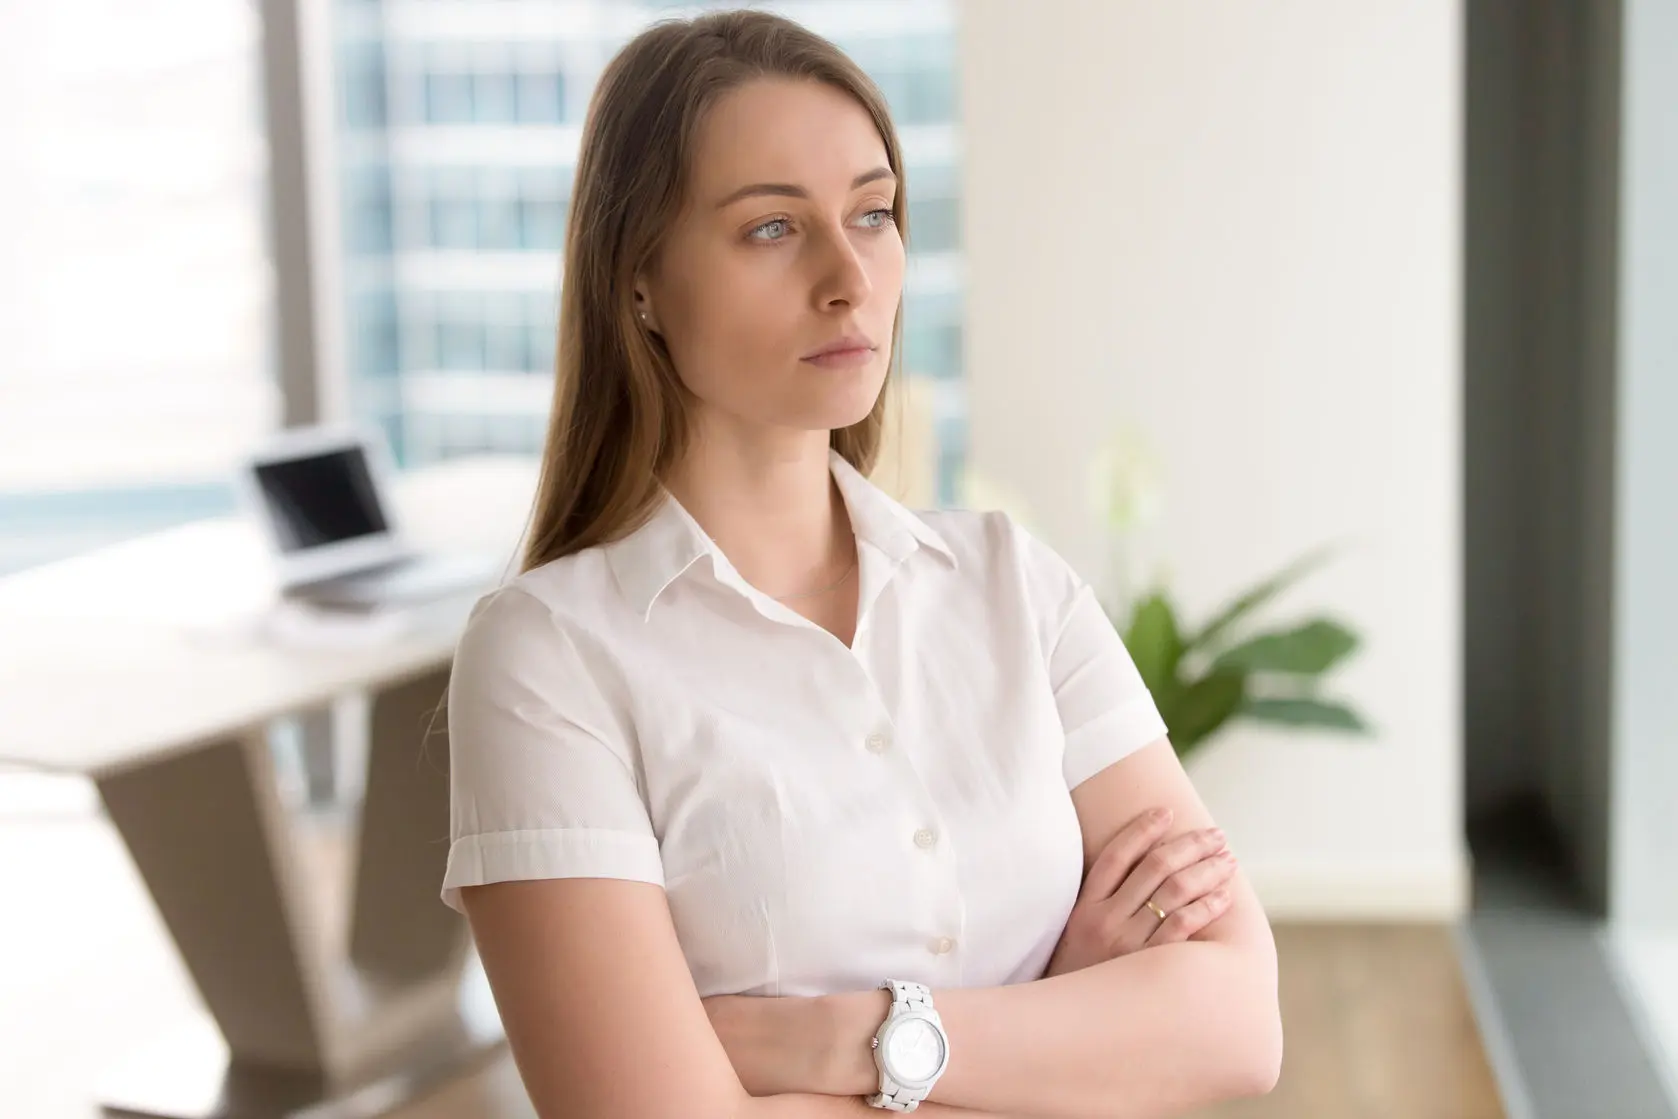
(773, 509)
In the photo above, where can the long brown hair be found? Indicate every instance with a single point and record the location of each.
(619, 417)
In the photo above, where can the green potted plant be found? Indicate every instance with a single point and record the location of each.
(1205, 676)
(1223, 670)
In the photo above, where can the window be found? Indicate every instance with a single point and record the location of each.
(927, 95)
(418, 324)
(374, 327)
(448, 97)
(460, 331)
(493, 101)
(542, 210)
(363, 88)
(499, 220)
(367, 209)
(137, 320)
(541, 317)
(932, 349)
(505, 333)
(934, 222)
(454, 211)
(540, 97)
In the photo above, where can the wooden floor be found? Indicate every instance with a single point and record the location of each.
(1377, 1021)
(1377, 1026)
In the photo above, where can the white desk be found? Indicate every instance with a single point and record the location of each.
(130, 665)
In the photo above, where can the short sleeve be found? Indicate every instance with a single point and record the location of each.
(1106, 711)
(542, 783)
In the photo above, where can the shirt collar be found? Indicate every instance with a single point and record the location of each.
(653, 556)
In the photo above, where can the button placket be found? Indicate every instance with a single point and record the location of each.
(938, 906)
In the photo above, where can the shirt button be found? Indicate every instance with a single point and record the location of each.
(876, 743)
(926, 837)
(943, 946)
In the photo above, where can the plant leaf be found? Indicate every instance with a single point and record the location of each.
(1305, 712)
(1307, 650)
(1155, 643)
(1256, 597)
(1203, 707)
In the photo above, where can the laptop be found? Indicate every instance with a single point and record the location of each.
(320, 496)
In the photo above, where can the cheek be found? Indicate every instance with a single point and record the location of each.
(729, 326)
(886, 261)
(735, 305)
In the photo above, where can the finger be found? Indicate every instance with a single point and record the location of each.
(1125, 933)
(1161, 862)
(1122, 853)
(1125, 918)
(1194, 881)
(1193, 917)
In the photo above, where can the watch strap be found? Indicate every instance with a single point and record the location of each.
(905, 996)
(894, 1097)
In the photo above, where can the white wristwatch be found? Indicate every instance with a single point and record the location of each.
(911, 1049)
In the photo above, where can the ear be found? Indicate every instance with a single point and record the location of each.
(644, 307)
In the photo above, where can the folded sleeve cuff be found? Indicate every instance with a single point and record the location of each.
(477, 860)
(1107, 738)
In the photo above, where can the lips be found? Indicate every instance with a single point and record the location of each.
(849, 345)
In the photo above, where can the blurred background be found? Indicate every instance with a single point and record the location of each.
(1194, 290)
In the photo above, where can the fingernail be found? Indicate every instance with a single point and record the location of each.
(1162, 815)
(1218, 834)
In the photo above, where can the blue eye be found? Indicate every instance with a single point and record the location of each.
(884, 218)
(783, 223)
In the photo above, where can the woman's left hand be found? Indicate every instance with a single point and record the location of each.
(1114, 914)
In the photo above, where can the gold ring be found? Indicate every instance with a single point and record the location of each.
(1154, 909)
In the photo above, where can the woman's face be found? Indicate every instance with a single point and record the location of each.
(776, 289)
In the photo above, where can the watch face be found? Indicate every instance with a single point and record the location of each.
(914, 1051)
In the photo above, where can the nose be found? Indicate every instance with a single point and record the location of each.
(842, 277)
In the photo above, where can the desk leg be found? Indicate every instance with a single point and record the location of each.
(307, 1023)
(318, 750)
(208, 833)
(399, 928)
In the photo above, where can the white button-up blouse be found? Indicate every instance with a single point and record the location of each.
(820, 817)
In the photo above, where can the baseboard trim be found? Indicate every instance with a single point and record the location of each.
(1359, 891)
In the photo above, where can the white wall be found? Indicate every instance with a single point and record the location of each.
(1236, 225)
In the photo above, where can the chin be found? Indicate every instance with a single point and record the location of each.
(817, 404)
(844, 413)
(824, 419)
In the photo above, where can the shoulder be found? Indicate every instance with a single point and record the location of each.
(993, 547)
(545, 613)
(531, 651)
(991, 537)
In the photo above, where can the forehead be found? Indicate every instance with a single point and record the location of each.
(805, 133)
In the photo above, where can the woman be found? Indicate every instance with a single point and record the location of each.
(770, 797)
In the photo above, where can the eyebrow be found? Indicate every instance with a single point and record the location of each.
(792, 190)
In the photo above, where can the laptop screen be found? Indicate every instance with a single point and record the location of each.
(321, 499)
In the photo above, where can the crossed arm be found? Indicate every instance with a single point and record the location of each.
(604, 1020)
